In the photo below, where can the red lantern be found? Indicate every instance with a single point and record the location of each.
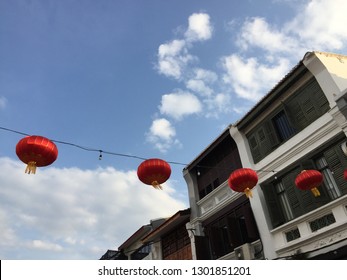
(36, 151)
(154, 172)
(309, 180)
(345, 174)
(243, 180)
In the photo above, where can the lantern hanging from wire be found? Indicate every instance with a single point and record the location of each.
(309, 180)
(154, 172)
(243, 180)
(36, 151)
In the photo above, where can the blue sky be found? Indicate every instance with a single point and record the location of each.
(143, 78)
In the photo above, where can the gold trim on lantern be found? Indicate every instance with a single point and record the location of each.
(156, 185)
(315, 192)
(31, 167)
(248, 192)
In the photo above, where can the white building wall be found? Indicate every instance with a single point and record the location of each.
(331, 74)
(257, 201)
(330, 71)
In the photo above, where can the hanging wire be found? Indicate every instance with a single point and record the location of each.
(101, 152)
(14, 131)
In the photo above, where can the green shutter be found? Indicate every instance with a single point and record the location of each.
(337, 163)
(273, 206)
(321, 102)
(272, 138)
(293, 193)
(302, 108)
(255, 149)
(297, 115)
(265, 145)
(307, 104)
(263, 141)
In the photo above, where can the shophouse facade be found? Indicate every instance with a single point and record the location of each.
(222, 224)
(133, 248)
(299, 125)
(170, 241)
(161, 239)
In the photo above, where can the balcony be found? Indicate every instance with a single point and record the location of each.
(216, 200)
(315, 230)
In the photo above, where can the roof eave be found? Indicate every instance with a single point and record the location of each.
(296, 72)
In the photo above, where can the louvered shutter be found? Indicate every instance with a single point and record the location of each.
(337, 163)
(292, 192)
(308, 104)
(273, 205)
(255, 148)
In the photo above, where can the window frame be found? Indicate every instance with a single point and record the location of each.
(303, 202)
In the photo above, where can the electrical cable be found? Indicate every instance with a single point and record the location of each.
(89, 149)
(100, 151)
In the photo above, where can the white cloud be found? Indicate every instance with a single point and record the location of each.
(256, 32)
(162, 135)
(178, 105)
(199, 87)
(318, 25)
(43, 245)
(200, 28)
(240, 110)
(205, 75)
(264, 54)
(217, 105)
(3, 102)
(173, 48)
(72, 213)
(321, 25)
(250, 78)
(170, 67)
(163, 129)
(173, 58)
(201, 81)
(7, 232)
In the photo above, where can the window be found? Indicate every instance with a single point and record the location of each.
(300, 110)
(329, 181)
(292, 234)
(284, 201)
(141, 253)
(231, 230)
(322, 222)
(283, 128)
(175, 241)
(215, 167)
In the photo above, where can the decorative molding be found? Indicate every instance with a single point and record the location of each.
(215, 201)
(311, 241)
(328, 208)
(330, 239)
